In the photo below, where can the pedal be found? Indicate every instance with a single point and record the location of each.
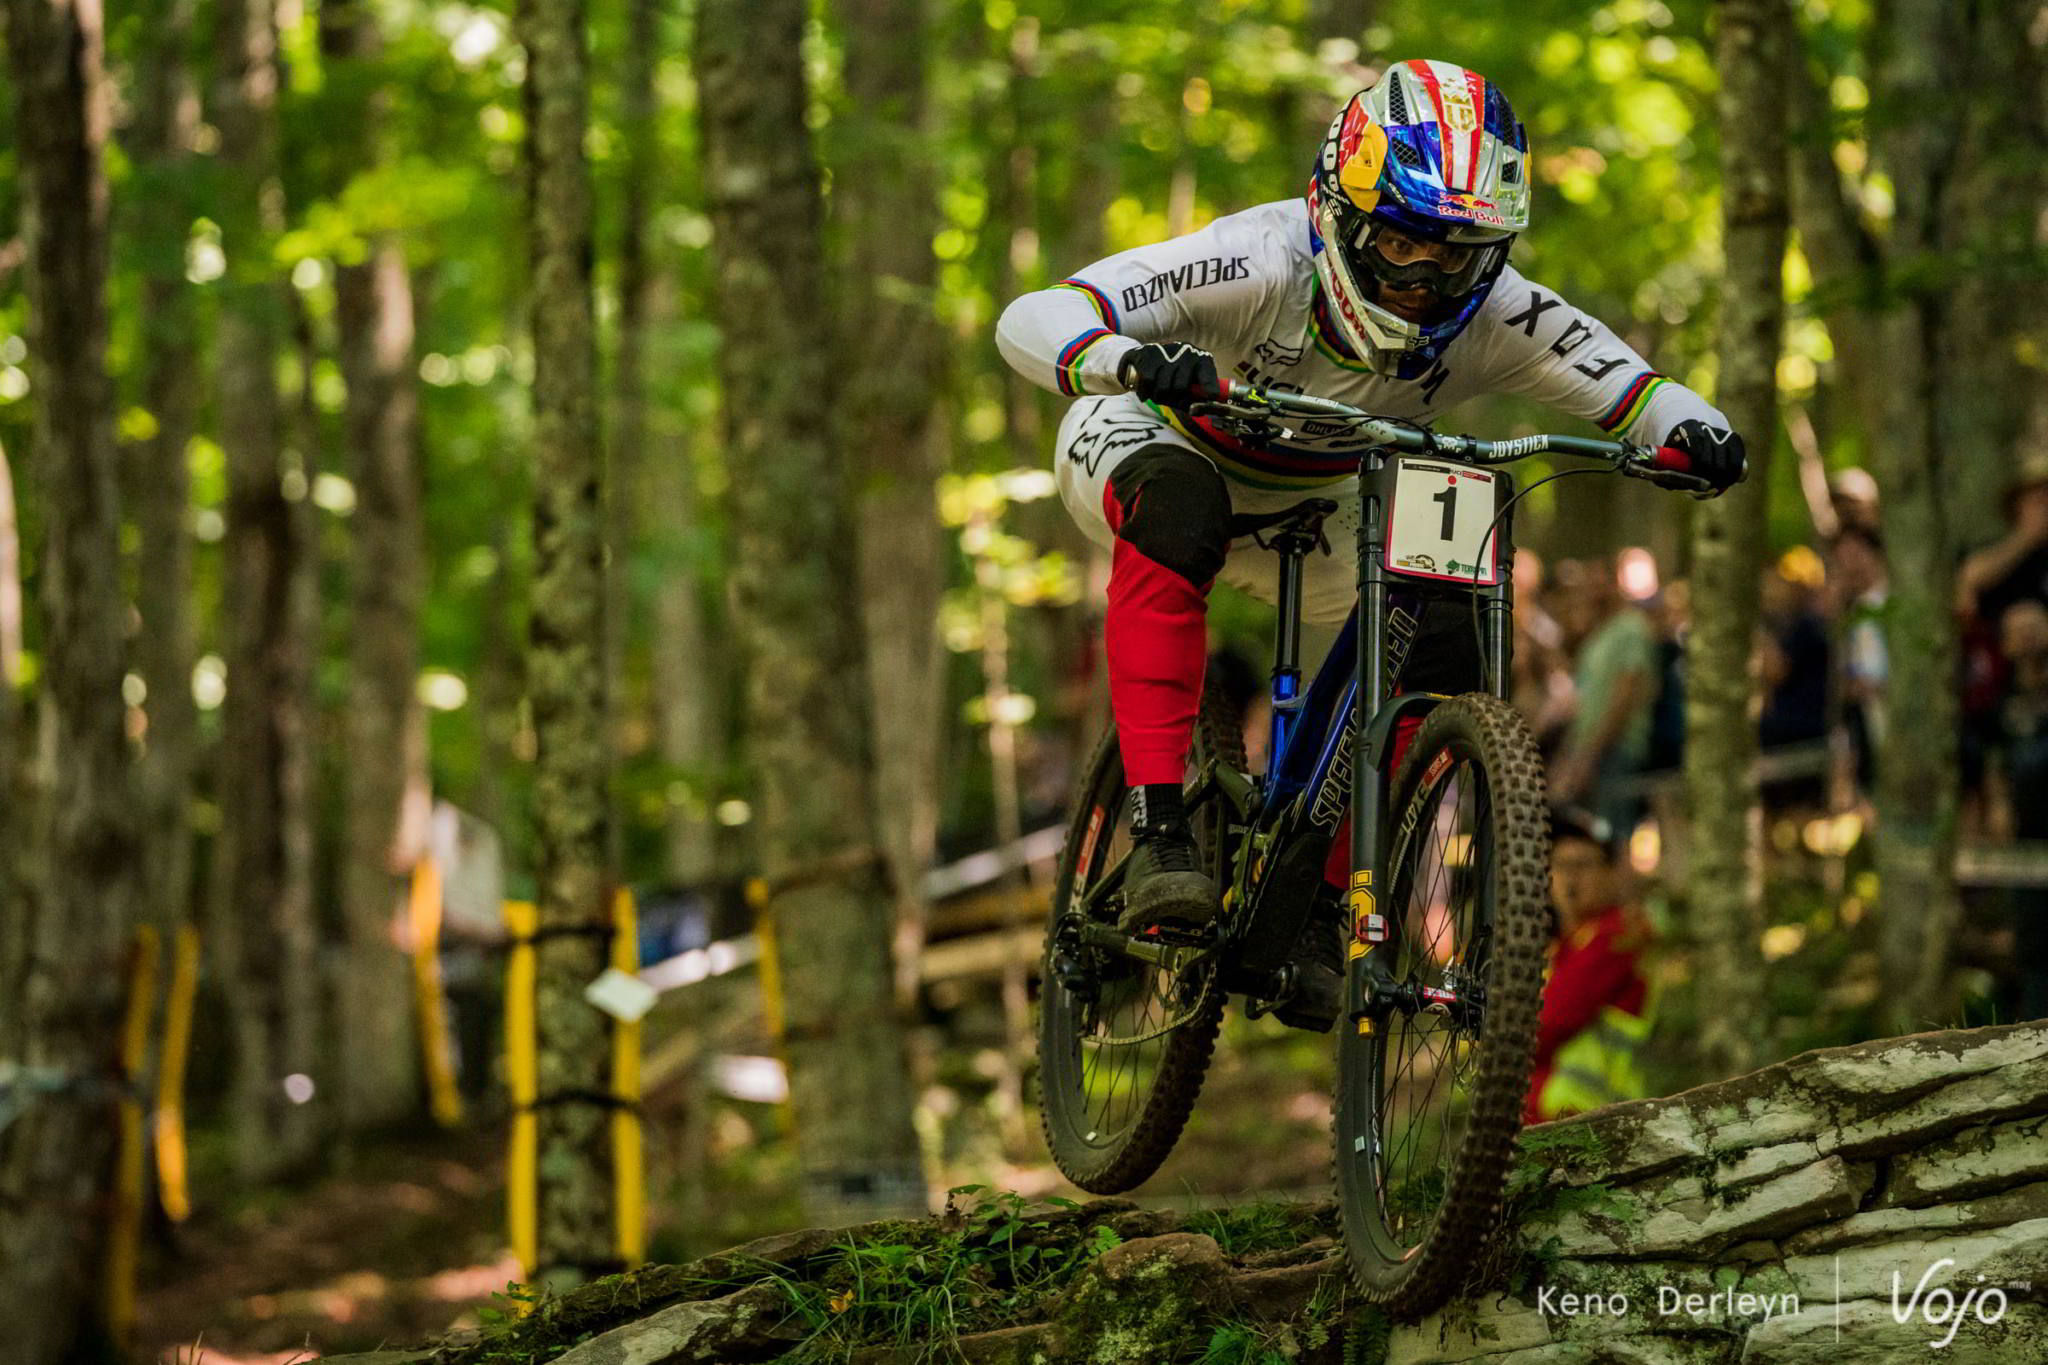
(1171, 935)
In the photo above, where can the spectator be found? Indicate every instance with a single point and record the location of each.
(2013, 568)
(1596, 1005)
(1542, 679)
(2021, 786)
(1860, 583)
(1673, 619)
(1795, 653)
(1616, 680)
(1854, 495)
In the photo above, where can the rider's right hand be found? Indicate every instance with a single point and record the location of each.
(1710, 453)
(1172, 373)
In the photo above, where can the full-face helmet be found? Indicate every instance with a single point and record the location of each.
(1422, 184)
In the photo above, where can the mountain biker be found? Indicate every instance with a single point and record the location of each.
(1387, 286)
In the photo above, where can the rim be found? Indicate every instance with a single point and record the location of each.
(1423, 1055)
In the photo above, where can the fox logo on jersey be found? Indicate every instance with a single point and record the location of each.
(1271, 352)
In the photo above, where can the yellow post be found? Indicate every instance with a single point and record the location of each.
(424, 907)
(771, 986)
(522, 1075)
(629, 1173)
(172, 1185)
(125, 1238)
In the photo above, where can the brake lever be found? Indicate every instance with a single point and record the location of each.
(1252, 423)
(1668, 478)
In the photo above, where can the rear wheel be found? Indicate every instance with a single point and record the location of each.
(1123, 1045)
(1431, 1081)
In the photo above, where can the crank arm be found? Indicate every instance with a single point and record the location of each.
(1157, 949)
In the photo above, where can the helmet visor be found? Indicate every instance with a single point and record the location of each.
(1402, 260)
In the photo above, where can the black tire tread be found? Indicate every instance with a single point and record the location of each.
(1472, 1199)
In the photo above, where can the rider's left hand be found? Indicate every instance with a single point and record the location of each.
(1717, 455)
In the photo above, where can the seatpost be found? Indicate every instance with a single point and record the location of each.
(1293, 546)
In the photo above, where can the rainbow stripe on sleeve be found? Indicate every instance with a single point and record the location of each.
(1633, 400)
(1067, 370)
(1103, 307)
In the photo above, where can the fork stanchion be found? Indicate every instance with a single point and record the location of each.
(629, 1173)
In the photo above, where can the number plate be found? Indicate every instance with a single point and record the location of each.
(1439, 524)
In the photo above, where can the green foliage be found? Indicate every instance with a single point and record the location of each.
(998, 1258)
(1240, 1343)
(511, 1334)
(1418, 1197)
(1244, 1229)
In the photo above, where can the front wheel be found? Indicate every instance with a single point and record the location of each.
(1431, 1080)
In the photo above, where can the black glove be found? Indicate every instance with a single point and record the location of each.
(1172, 373)
(1716, 455)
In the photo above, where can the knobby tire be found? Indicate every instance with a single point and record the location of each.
(1512, 925)
(1121, 1161)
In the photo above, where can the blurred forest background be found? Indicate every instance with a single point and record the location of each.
(452, 457)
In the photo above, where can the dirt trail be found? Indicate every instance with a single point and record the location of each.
(399, 1249)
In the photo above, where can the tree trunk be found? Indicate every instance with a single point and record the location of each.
(264, 937)
(386, 775)
(685, 696)
(893, 370)
(689, 709)
(14, 827)
(1841, 251)
(1918, 76)
(63, 1026)
(157, 472)
(1730, 541)
(638, 107)
(566, 656)
(793, 523)
(1988, 229)
(1011, 227)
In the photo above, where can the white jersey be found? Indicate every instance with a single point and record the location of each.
(1244, 288)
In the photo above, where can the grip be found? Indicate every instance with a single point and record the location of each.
(1671, 459)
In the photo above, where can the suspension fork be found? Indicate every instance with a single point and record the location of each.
(1368, 794)
(1497, 603)
(1367, 977)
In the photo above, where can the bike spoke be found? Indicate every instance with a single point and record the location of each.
(1424, 1080)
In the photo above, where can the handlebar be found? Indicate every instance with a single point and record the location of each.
(1663, 465)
